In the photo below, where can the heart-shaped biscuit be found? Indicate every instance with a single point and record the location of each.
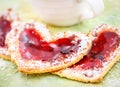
(35, 51)
(6, 20)
(104, 53)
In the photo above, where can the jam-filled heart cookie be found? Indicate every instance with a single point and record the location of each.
(104, 53)
(6, 20)
(35, 51)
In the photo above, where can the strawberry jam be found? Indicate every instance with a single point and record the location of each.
(5, 27)
(33, 47)
(102, 46)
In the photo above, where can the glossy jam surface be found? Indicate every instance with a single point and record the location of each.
(102, 46)
(5, 27)
(33, 47)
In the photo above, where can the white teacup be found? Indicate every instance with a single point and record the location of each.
(66, 12)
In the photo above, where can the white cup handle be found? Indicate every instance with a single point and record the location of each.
(89, 8)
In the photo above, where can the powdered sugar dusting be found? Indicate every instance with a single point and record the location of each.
(4, 51)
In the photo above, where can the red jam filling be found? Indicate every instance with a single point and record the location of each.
(33, 47)
(102, 46)
(5, 27)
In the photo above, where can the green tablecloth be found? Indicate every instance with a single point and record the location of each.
(9, 75)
